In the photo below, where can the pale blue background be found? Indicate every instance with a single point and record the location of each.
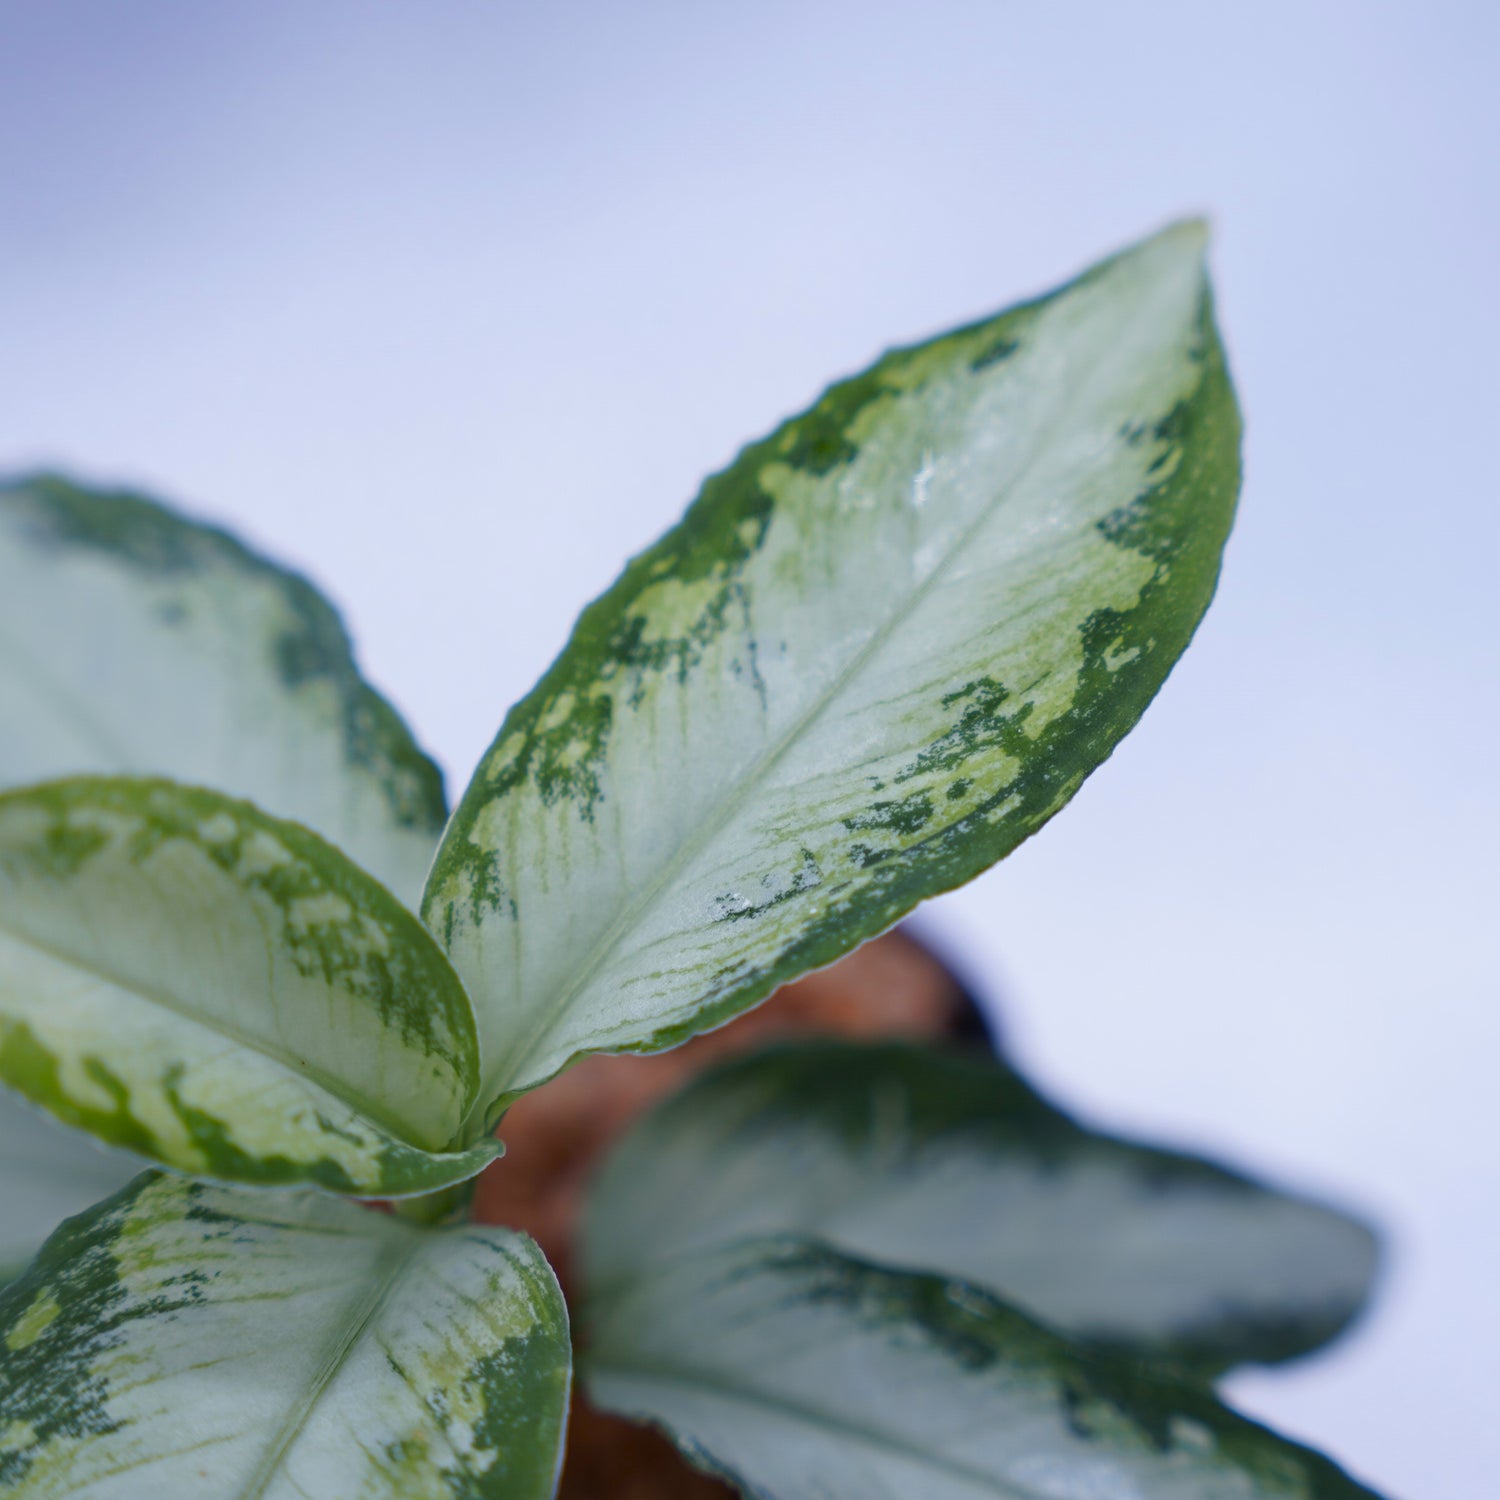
(453, 304)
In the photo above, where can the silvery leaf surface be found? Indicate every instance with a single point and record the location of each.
(183, 1341)
(184, 976)
(949, 1163)
(47, 1173)
(882, 648)
(135, 641)
(804, 1374)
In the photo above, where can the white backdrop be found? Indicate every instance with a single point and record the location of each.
(453, 304)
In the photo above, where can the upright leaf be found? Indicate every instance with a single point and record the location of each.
(182, 1341)
(47, 1172)
(803, 1374)
(135, 641)
(184, 976)
(936, 1162)
(884, 646)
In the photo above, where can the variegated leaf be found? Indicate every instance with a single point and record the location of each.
(936, 1162)
(803, 1374)
(187, 977)
(47, 1172)
(184, 1341)
(884, 646)
(135, 641)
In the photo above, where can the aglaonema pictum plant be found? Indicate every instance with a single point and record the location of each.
(241, 938)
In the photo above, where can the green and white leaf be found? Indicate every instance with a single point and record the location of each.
(135, 641)
(803, 1374)
(47, 1173)
(184, 1341)
(185, 976)
(882, 648)
(937, 1162)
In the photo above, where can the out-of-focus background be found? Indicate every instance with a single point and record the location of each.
(453, 304)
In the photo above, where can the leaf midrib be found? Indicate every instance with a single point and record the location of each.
(696, 1380)
(300, 1414)
(219, 1027)
(550, 1014)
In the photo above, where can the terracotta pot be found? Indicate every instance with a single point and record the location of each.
(890, 987)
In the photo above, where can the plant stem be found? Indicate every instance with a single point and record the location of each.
(447, 1205)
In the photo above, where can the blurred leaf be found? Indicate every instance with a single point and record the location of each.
(952, 1164)
(135, 641)
(882, 648)
(184, 976)
(803, 1374)
(182, 1341)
